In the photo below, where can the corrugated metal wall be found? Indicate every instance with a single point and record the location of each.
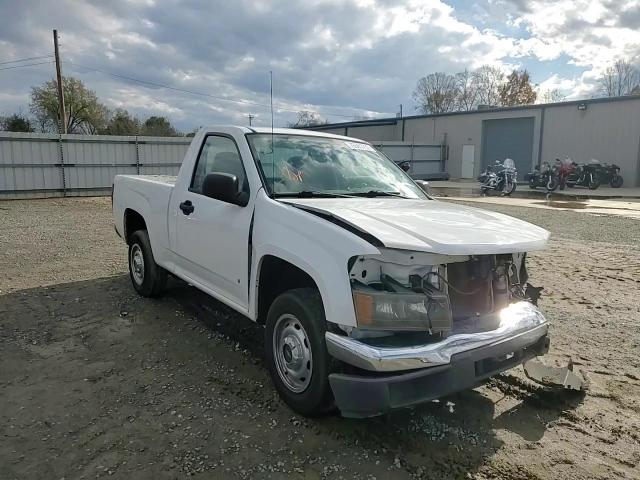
(425, 161)
(42, 165)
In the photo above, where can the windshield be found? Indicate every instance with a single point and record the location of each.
(297, 165)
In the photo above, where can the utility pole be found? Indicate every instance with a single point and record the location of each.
(400, 110)
(251, 117)
(63, 116)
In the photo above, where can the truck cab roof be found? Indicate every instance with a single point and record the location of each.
(277, 131)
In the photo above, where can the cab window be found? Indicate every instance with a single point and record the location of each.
(218, 155)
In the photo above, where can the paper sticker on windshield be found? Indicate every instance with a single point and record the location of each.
(360, 146)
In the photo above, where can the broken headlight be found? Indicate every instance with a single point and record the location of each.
(392, 306)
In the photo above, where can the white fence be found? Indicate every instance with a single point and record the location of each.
(41, 165)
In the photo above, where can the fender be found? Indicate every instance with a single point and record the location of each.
(318, 247)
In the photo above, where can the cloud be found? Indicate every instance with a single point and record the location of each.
(343, 58)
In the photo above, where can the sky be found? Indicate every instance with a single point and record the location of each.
(345, 59)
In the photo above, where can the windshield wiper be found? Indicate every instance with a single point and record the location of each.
(377, 193)
(310, 194)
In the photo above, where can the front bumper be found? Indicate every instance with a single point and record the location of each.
(457, 363)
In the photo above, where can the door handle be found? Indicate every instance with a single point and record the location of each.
(187, 207)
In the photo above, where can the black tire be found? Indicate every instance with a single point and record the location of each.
(594, 183)
(616, 181)
(514, 184)
(153, 280)
(301, 307)
(552, 184)
(533, 183)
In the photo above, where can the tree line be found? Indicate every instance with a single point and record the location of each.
(442, 92)
(85, 114)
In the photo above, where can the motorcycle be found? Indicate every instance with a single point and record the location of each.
(610, 173)
(500, 177)
(585, 175)
(543, 176)
(564, 169)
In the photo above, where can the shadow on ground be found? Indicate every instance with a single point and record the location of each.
(98, 381)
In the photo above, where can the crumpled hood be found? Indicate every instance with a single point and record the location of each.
(430, 225)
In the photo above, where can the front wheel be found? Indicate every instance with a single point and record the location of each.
(509, 188)
(594, 182)
(533, 183)
(148, 278)
(296, 351)
(552, 184)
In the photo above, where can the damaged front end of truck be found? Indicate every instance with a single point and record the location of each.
(429, 325)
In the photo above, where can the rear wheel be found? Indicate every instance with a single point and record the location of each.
(297, 353)
(616, 181)
(147, 277)
(533, 183)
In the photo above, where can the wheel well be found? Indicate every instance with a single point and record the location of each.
(132, 221)
(276, 277)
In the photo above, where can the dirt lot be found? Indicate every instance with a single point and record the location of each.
(95, 381)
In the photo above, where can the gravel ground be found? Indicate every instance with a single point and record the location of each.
(96, 381)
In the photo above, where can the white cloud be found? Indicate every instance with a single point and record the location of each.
(350, 57)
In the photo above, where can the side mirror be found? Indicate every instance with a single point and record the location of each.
(424, 185)
(406, 165)
(224, 187)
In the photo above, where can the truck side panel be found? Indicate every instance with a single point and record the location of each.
(148, 196)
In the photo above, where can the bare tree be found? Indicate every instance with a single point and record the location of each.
(487, 81)
(436, 93)
(467, 91)
(551, 96)
(619, 79)
(307, 118)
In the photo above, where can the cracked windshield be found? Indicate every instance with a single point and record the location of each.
(327, 167)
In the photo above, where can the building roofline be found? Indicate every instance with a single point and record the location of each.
(394, 120)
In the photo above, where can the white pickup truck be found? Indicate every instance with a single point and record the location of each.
(373, 295)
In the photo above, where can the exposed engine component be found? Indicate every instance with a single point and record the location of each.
(451, 294)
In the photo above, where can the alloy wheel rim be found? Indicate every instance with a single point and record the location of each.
(137, 264)
(292, 351)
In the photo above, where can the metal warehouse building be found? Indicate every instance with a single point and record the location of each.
(462, 143)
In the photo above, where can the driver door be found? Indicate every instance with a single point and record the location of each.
(211, 235)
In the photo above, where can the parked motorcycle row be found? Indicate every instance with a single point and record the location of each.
(501, 177)
(566, 173)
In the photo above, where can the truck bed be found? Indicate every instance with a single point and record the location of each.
(166, 179)
(149, 196)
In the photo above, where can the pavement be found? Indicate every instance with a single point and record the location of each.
(465, 188)
(629, 207)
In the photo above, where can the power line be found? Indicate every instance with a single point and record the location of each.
(25, 59)
(203, 94)
(26, 65)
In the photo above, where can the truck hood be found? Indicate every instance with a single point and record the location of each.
(428, 225)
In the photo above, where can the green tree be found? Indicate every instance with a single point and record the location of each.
(517, 90)
(85, 114)
(158, 127)
(121, 122)
(16, 123)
